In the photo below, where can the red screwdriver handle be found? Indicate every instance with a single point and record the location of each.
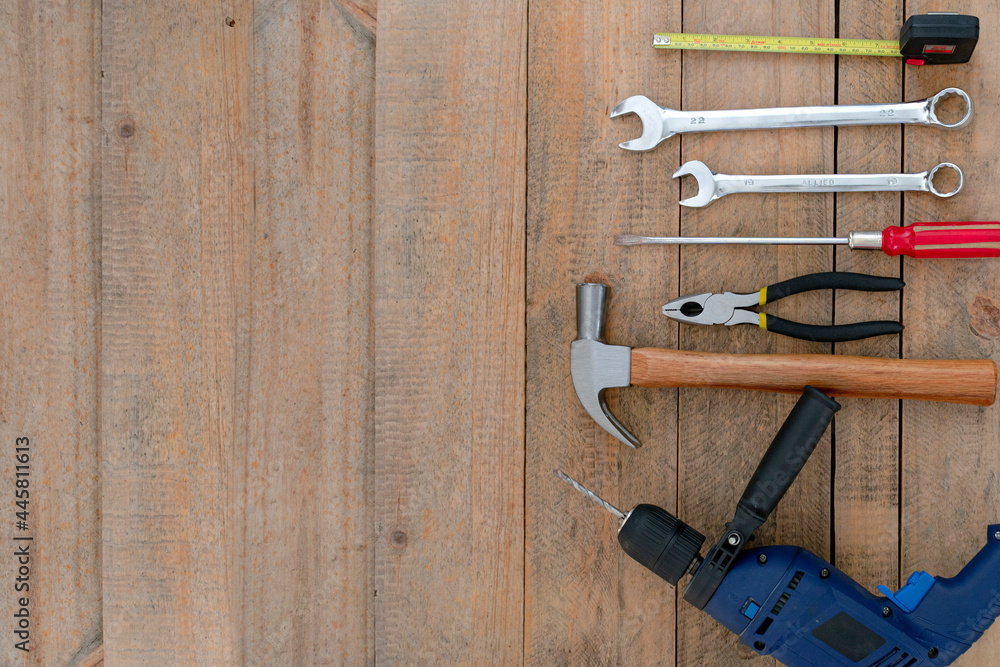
(943, 239)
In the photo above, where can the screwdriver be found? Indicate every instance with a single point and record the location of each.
(652, 536)
(920, 240)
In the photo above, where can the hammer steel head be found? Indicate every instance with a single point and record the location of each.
(595, 365)
(708, 185)
(654, 122)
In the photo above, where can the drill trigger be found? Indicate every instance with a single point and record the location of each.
(909, 596)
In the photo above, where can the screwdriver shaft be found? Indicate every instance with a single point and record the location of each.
(590, 494)
(632, 239)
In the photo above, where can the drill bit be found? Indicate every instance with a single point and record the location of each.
(590, 494)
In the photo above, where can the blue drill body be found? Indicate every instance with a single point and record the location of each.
(790, 604)
(786, 602)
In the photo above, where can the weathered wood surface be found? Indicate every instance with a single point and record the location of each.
(950, 454)
(299, 361)
(448, 272)
(236, 392)
(49, 321)
(307, 559)
(585, 602)
(178, 232)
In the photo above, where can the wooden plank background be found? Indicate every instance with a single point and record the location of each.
(50, 319)
(286, 298)
(448, 286)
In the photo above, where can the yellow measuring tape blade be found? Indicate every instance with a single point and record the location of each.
(842, 47)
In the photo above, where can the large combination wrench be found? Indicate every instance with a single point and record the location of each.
(711, 185)
(659, 123)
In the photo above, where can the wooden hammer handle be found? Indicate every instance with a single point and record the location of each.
(949, 381)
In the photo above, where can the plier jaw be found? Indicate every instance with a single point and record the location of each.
(712, 308)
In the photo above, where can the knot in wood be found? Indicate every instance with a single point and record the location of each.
(398, 539)
(984, 316)
(126, 128)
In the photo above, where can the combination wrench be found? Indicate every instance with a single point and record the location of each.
(711, 185)
(659, 123)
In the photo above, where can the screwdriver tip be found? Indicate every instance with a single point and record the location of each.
(628, 239)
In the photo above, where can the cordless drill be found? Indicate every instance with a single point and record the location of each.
(788, 603)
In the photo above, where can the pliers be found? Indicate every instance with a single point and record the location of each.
(728, 308)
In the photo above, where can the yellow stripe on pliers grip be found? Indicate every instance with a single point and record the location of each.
(763, 321)
(763, 296)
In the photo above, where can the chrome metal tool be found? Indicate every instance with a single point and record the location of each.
(659, 123)
(712, 185)
(590, 494)
(730, 308)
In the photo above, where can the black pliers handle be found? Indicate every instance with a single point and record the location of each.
(730, 308)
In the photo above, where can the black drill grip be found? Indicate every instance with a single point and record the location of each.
(789, 451)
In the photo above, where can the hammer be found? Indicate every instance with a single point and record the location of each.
(596, 366)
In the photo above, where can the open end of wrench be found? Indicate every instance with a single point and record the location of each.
(707, 184)
(945, 165)
(653, 127)
(932, 107)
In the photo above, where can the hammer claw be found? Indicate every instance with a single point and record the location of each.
(595, 365)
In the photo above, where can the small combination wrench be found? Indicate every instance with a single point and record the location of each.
(711, 185)
(659, 123)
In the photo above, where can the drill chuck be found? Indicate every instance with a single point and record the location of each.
(660, 542)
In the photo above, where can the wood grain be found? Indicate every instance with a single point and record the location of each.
(89, 656)
(49, 320)
(951, 381)
(448, 271)
(950, 461)
(724, 433)
(177, 200)
(866, 432)
(585, 601)
(236, 371)
(314, 379)
(308, 558)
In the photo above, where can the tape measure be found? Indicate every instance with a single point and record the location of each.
(925, 39)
